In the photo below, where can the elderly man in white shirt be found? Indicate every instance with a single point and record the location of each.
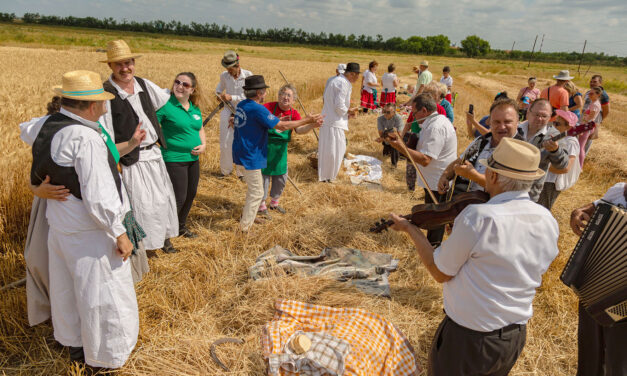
(133, 109)
(93, 303)
(490, 267)
(435, 150)
(336, 111)
(230, 89)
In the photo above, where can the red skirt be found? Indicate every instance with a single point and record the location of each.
(367, 100)
(387, 98)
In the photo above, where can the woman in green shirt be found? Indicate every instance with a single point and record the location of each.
(181, 122)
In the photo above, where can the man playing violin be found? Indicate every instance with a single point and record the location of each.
(504, 120)
(489, 269)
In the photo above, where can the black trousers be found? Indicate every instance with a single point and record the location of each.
(457, 350)
(434, 236)
(393, 153)
(184, 177)
(602, 350)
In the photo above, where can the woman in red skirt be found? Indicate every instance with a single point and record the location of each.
(389, 81)
(368, 87)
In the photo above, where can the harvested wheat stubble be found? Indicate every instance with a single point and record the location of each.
(203, 293)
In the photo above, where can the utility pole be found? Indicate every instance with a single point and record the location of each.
(513, 44)
(533, 49)
(582, 51)
(541, 43)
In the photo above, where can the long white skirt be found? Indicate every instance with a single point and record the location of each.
(331, 149)
(153, 201)
(92, 296)
(36, 257)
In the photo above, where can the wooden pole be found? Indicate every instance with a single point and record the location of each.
(513, 44)
(13, 285)
(541, 44)
(301, 104)
(533, 49)
(582, 52)
(400, 138)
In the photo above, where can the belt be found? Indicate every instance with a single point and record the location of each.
(147, 147)
(501, 331)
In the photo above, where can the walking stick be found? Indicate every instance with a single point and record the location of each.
(435, 200)
(15, 284)
(301, 105)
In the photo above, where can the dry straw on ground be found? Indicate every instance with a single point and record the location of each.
(203, 293)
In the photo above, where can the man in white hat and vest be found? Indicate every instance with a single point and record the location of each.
(230, 89)
(132, 110)
(336, 111)
(93, 302)
(490, 267)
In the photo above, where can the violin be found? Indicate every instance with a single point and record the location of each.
(432, 216)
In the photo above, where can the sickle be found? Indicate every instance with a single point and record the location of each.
(212, 350)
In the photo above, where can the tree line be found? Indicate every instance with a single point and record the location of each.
(471, 46)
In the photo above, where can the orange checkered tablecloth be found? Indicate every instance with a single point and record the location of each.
(377, 346)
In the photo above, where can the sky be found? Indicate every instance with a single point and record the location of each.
(565, 23)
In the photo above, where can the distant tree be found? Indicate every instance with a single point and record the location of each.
(474, 46)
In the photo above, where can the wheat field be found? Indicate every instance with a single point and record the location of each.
(203, 293)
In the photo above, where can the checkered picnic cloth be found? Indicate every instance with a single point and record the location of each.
(376, 346)
(325, 357)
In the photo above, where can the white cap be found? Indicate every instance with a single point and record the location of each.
(341, 68)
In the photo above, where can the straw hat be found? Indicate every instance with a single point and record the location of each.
(118, 50)
(424, 63)
(82, 85)
(230, 59)
(515, 159)
(564, 76)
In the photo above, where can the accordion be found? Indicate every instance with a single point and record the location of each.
(597, 268)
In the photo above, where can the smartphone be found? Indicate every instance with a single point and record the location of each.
(471, 109)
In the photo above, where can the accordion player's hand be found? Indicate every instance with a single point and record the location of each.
(579, 218)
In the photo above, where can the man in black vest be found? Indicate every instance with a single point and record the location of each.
(93, 302)
(133, 110)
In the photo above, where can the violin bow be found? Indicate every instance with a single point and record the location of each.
(300, 103)
(435, 200)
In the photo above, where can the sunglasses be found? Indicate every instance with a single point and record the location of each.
(186, 85)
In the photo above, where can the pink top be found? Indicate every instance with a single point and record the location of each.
(532, 94)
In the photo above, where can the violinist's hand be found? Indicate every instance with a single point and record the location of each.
(395, 141)
(443, 184)
(400, 223)
(465, 170)
(550, 145)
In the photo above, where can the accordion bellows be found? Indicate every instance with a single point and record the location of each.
(597, 268)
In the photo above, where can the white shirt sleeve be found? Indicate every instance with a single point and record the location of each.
(236, 98)
(615, 194)
(342, 91)
(30, 129)
(107, 122)
(98, 189)
(221, 85)
(432, 141)
(158, 95)
(456, 250)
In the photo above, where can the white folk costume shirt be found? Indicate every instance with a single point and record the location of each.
(369, 77)
(233, 86)
(337, 101)
(439, 141)
(80, 147)
(158, 96)
(615, 195)
(387, 80)
(497, 254)
(148, 183)
(448, 81)
(567, 180)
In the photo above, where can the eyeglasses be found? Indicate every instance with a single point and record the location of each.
(186, 85)
(540, 116)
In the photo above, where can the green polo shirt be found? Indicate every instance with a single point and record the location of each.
(181, 130)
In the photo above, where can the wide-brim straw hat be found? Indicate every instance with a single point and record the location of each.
(424, 63)
(118, 50)
(564, 76)
(82, 85)
(515, 159)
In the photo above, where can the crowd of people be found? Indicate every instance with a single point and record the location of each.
(116, 169)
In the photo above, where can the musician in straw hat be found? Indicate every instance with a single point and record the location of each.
(230, 89)
(93, 303)
(489, 268)
(133, 110)
(602, 351)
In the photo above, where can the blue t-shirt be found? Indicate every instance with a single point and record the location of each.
(482, 122)
(250, 142)
(449, 110)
